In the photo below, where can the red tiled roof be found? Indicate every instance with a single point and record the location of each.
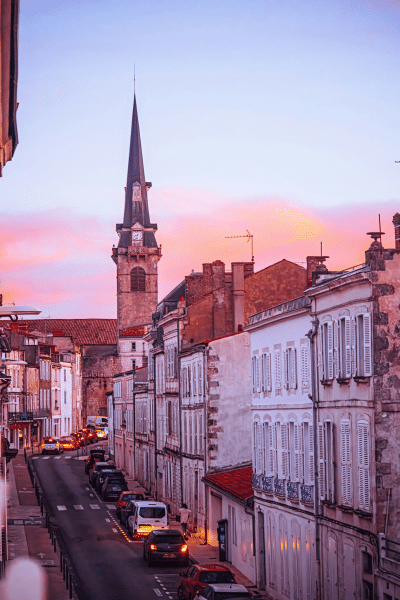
(136, 330)
(82, 331)
(237, 482)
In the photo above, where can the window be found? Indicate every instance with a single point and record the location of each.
(266, 385)
(308, 452)
(290, 369)
(133, 346)
(269, 448)
(133, 365)
(363, 345)
(278, 369)
(343, 335)
(345, 449)
(256, 373)
(138, 280)
(363, 465)
(326, 351)
(257, 448)
(200, 381)
(325, 461)
(305, 366)
(294, 452)
(284, 430)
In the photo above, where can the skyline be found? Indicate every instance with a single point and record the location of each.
(278, 118)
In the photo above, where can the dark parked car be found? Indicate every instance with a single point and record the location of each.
(199, 576)
(124, 498)
(166, 544)
(96, 455)
(101, 477)
(112, 488)
(97, 469)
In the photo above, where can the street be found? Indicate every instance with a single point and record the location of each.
(108, 564)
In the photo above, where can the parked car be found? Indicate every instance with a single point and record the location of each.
(147, 516)
(112, 488)
(79, 438)
(166, 544)
(199, 576)
(223, 591)
(97, 470)
(85, 440)
(101, 477)
(68, 442)
(96, 455)
(51, 446)
(124, 498)
(91, 434)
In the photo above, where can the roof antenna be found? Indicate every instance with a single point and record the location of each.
(249, 237)
(321, 247)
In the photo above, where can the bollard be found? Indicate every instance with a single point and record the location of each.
(70, 586)
(61, 558)
(67, 578)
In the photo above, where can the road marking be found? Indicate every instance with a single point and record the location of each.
(78, 506)
(108, 520)
(18, 522)
(94, 506)
(57, 457)
(35, 457)
(115, 530)
(68, 457)
(62, 507)
(111, 506)
(45, 457)
(91, 495)
(158, 592)
(87, 488)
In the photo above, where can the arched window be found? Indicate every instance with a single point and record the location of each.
(138, 280)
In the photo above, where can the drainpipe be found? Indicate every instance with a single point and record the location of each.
(314, 399)
(205, 441)
(134, 425)
(178, 367)
(155, 428)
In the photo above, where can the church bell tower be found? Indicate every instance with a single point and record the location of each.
(137, 253)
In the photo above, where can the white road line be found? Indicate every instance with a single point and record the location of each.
(56, 457)
(115, 530)
(45, 457)
(158, 592)
(35, 457)
(68, 457)
(91, 495)
(62, 507)
(87, 488)
(111, 506)
(94, 506)
(78, 506)
(108, 520)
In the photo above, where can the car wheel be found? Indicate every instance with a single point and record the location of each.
(181, 595)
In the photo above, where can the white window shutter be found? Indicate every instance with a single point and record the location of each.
(293, 369)
(285, 450)
(353, 347)
(200, 380)
(260, 450)
(367, 345)
(345, 448)
(311, 452)
(321, 462)
(305, 379)
(330, 373)
(263, 372)
(268, 383)
(278, 370)
(301, 451)
(320, 345)
(297, 451)
(266, 447)
(253, 371)
(273, 450)
(258, 387)
(363, 465)
(285, 369)
(347, 333)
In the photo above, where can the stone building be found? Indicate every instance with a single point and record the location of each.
(344, 510)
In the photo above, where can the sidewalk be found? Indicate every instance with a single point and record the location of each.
(27, 532)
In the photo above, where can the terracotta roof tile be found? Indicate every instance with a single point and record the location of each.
(237, 482)
(83, 331)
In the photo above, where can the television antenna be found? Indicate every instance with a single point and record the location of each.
(249, 237)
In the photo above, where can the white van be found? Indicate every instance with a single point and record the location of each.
(147, 515)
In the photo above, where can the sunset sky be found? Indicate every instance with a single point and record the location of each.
(280, 117)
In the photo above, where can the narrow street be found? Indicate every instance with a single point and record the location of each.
(108, 564)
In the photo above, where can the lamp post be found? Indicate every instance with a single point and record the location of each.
(12, 312)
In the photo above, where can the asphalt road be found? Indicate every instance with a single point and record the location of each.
(108, 564)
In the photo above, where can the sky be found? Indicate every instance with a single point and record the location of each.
(277, 117)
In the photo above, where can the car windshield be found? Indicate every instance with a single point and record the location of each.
(152, 512)
(127, 497)
(115, 482)
(216, 577)
(169, 539)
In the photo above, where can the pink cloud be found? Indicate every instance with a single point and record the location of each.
(61, 262)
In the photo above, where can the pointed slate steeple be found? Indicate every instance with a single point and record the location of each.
(136, 204)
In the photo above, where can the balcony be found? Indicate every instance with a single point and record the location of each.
(264, 483)
(292, 489)
(279, 487)
(307, 494)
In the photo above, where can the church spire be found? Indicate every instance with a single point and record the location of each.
(136, 204)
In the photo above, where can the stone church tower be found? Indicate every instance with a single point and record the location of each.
(137, 253)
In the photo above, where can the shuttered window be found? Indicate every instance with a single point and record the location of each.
(346, 472)
(363, 465)
(268, 467)
(321, 461)
(285, 450)
(278, 369)
(308, 452)
(305, 367)
(266, 372)
(326, 350)
(344, 345)
(363, 347)
(138, 280)
(329, 465)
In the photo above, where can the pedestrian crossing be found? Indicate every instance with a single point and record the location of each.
(167, 585)
(54, 457)
(62, 507)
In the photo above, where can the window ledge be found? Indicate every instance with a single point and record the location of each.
(361, 379)
(363, 514)
(326, 382)
(343, 380)
(346, 509)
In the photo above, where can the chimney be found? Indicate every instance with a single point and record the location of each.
(396, 223)
(313, 262)
(238, 295)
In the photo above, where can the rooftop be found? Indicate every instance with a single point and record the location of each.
(237, 482)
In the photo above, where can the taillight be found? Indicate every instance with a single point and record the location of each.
(184, 548)
(153, 547)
